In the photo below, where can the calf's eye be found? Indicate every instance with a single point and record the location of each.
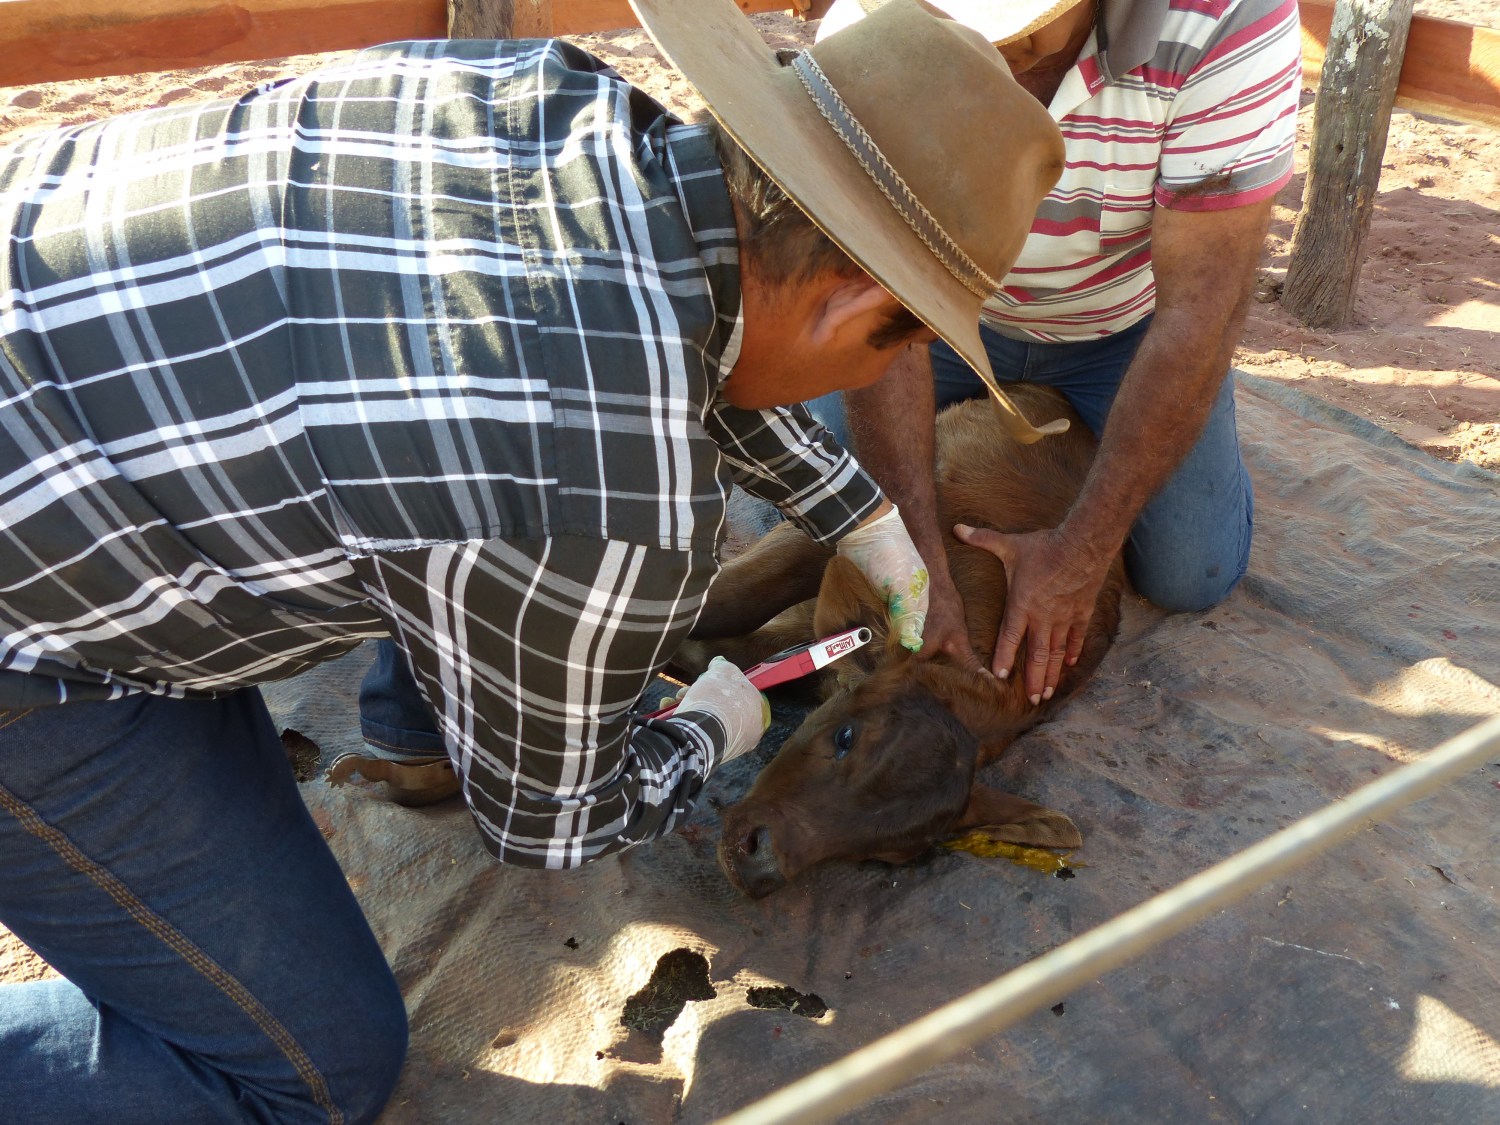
(843, 740)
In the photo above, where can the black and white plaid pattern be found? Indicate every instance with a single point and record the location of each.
(429, 344)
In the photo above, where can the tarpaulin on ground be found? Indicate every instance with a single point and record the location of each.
(1363, 987)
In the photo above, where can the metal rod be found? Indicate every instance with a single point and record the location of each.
(902, 1055)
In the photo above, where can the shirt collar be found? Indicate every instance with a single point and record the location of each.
(1127, 34)
(731, 353)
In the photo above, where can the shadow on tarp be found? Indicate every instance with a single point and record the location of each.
(1364, 987)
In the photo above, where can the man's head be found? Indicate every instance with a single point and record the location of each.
(1050, 45)
(905, 140)
(802, 292)
(1027, 32)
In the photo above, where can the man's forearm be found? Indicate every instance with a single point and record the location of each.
(892, 426)
(1163, 402)
(1205, 267)
(895, 438)
(782, 456)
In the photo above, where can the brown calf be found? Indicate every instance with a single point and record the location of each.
(885, 767)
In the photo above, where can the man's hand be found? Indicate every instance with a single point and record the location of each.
(724, 692)
(883, 550)
(947, 630)
(1052, 589)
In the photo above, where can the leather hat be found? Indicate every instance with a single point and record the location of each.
(903, 137)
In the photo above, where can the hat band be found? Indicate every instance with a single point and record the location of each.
(892, 186)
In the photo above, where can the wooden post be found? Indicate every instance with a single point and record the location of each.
(480, 19)
(534, 19)
(503, 19)
(1358, 87)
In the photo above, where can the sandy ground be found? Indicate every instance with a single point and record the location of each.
(1422, 357)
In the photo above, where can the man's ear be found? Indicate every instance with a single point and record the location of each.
(1011, 820)
(849, 302)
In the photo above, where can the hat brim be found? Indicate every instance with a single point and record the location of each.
(764, 107)
(999, 22)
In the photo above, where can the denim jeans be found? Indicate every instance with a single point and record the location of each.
(1190, 545)
(394, 717)
(158, 854)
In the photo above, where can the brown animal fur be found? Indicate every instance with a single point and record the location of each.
(912, 733)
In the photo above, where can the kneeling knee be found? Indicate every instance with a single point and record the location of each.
(373, 1052)
(346, 1071)
(1188, 593)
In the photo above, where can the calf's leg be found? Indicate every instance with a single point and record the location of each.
(783, 568)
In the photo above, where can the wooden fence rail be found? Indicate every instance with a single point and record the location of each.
(53, 40)
(1451, 69)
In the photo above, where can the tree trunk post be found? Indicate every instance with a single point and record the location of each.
(481, 19)
(1366, 45)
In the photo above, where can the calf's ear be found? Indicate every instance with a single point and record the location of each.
(1011, 820)
(846, 600)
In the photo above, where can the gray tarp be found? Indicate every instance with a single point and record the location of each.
(1365, 987)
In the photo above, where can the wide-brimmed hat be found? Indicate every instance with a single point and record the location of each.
(904, 138)
(999, 21)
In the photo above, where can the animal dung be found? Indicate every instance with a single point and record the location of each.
(782, 998)
(679, 976)
(302, 752)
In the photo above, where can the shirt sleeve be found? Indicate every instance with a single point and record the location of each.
(786, 457)
(532, 654)
(1234, 121)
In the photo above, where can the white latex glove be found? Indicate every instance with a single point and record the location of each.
(884, 552)
(724, 693)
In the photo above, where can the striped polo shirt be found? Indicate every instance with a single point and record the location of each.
(1186, 104)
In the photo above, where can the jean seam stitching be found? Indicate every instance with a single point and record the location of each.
(394, 746)
(179, 943)
(19, 715)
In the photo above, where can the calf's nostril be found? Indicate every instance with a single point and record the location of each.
(755, 840)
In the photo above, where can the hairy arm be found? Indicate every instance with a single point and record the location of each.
(892, 426)
(1204, 263)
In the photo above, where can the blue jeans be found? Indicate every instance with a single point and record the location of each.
(1190, 545)
(394, 718)
(158, 854)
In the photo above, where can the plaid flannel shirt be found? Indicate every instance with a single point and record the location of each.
(426, 344)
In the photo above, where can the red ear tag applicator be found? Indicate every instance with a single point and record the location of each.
(796, 662)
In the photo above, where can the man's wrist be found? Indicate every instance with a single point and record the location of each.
(1087, 548)
(885, 509)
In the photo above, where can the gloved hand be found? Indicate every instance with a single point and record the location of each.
(884, 552)
(724, 693)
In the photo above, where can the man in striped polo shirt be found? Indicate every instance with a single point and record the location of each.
(1179, 119)
(458, 344)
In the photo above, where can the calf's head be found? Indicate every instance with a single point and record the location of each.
(883, 770)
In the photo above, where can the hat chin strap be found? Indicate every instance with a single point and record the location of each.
(967, 271)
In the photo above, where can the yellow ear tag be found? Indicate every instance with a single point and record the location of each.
(1038, 859)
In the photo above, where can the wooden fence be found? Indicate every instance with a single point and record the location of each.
(1451, 69)
(52, 40)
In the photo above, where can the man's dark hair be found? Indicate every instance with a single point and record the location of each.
(785, 245)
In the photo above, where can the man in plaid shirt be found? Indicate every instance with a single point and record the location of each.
(452, 343)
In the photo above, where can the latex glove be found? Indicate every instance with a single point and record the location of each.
(724, 692)
(883, 550)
